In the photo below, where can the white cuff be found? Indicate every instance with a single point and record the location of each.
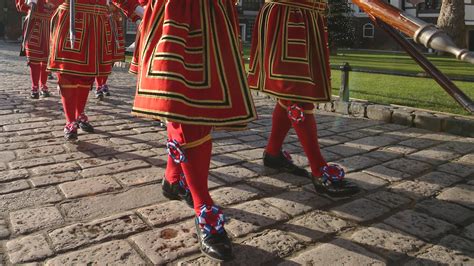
(29, 2)
(139, 11)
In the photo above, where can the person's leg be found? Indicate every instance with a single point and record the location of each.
(328, 179)
(174, 184)
(44, 91)
(191, 146)
(274, 156)
(100, 81)
(69, 101)
(35, 71)
(105, 87)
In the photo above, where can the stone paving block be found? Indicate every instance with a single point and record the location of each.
(419, 224)
(88, 186)
(39, 152)
(383, 154)
(12, 146)
(4, 232)
(7, 156)
(28, 248)
(34, 162)
(357, 163)
(250, 155)
(315, 225)
(419, 143)
(461, 194)
(114, 168)
(225, 160)
(440, 179)
(228, 148)
(345, 150)
(458, 167)
(333, 140)
(411, 167)
(415, 190)
(166, 213)
(140, 176)
(53, 179)
(251, 216)
(117, 252)
(464, 146)
(337, 252)
(55, 168)
(386, 240)
(233, 174)
(297, 201)
(459, 126)
(366, 181)
(13, 175)
(102, 205)
(265, 247)
(450, 212)
(24, 126)
(371, 143)
(452, 250)
(469, 232)
(70, 156)
(389, 199)
(166, 244)
(400, 149)
(434, 156)
(235, 194)
(135, 155)
(80, 234)
(96, 161)
(269, 184)
(13, 186)
(361, 210)
(29, 220)
(28, 198)
(427, 121)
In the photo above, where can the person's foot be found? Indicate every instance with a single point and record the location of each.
(99, 94)
(44, 92)
(177, 191)
(105, 90)
(213, 239)
(84, 125)
(283, 162)
(332, 182)
(70, 131)
(34, 93)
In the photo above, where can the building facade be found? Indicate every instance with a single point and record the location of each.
(368, 36)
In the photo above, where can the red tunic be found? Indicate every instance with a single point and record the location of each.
(37, 44)
(191, 69)
(289, 54)
(93, 51)
(118, 51)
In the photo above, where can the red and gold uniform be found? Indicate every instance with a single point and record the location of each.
(136, 53)
(90, 56)
(191, 74)
(290, 60)
(37, 43)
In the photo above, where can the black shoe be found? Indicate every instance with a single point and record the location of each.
(34, 95)
(334, 185)
(70, 132)
(283, 162)
(105, 90)
(45, 93)
(176, 192)
(85, 126)
(99, 95)
(216, 246)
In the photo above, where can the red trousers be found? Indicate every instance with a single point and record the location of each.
(74, 93)
(197, 146)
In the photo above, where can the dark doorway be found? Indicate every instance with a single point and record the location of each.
(471, 40)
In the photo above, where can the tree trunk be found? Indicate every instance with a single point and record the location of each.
(451, 20)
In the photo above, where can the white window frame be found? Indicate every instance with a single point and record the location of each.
(243, 31)
(368, 26)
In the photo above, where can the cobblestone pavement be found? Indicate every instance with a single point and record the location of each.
(100, 201)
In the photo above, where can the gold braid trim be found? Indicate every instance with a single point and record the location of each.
(198, 142)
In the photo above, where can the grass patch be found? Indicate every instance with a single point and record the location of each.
(407, 91)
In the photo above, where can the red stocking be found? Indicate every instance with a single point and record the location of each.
(308, 135)
(69, 99)
(43, 75)
(198, 158)
(82, 94)
(35, 70)
(280, 127)
(173, 171)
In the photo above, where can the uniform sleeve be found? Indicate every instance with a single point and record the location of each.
(127, 6)
(55, 2)
(21, 6)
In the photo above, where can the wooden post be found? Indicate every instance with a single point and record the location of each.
(344, 89)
